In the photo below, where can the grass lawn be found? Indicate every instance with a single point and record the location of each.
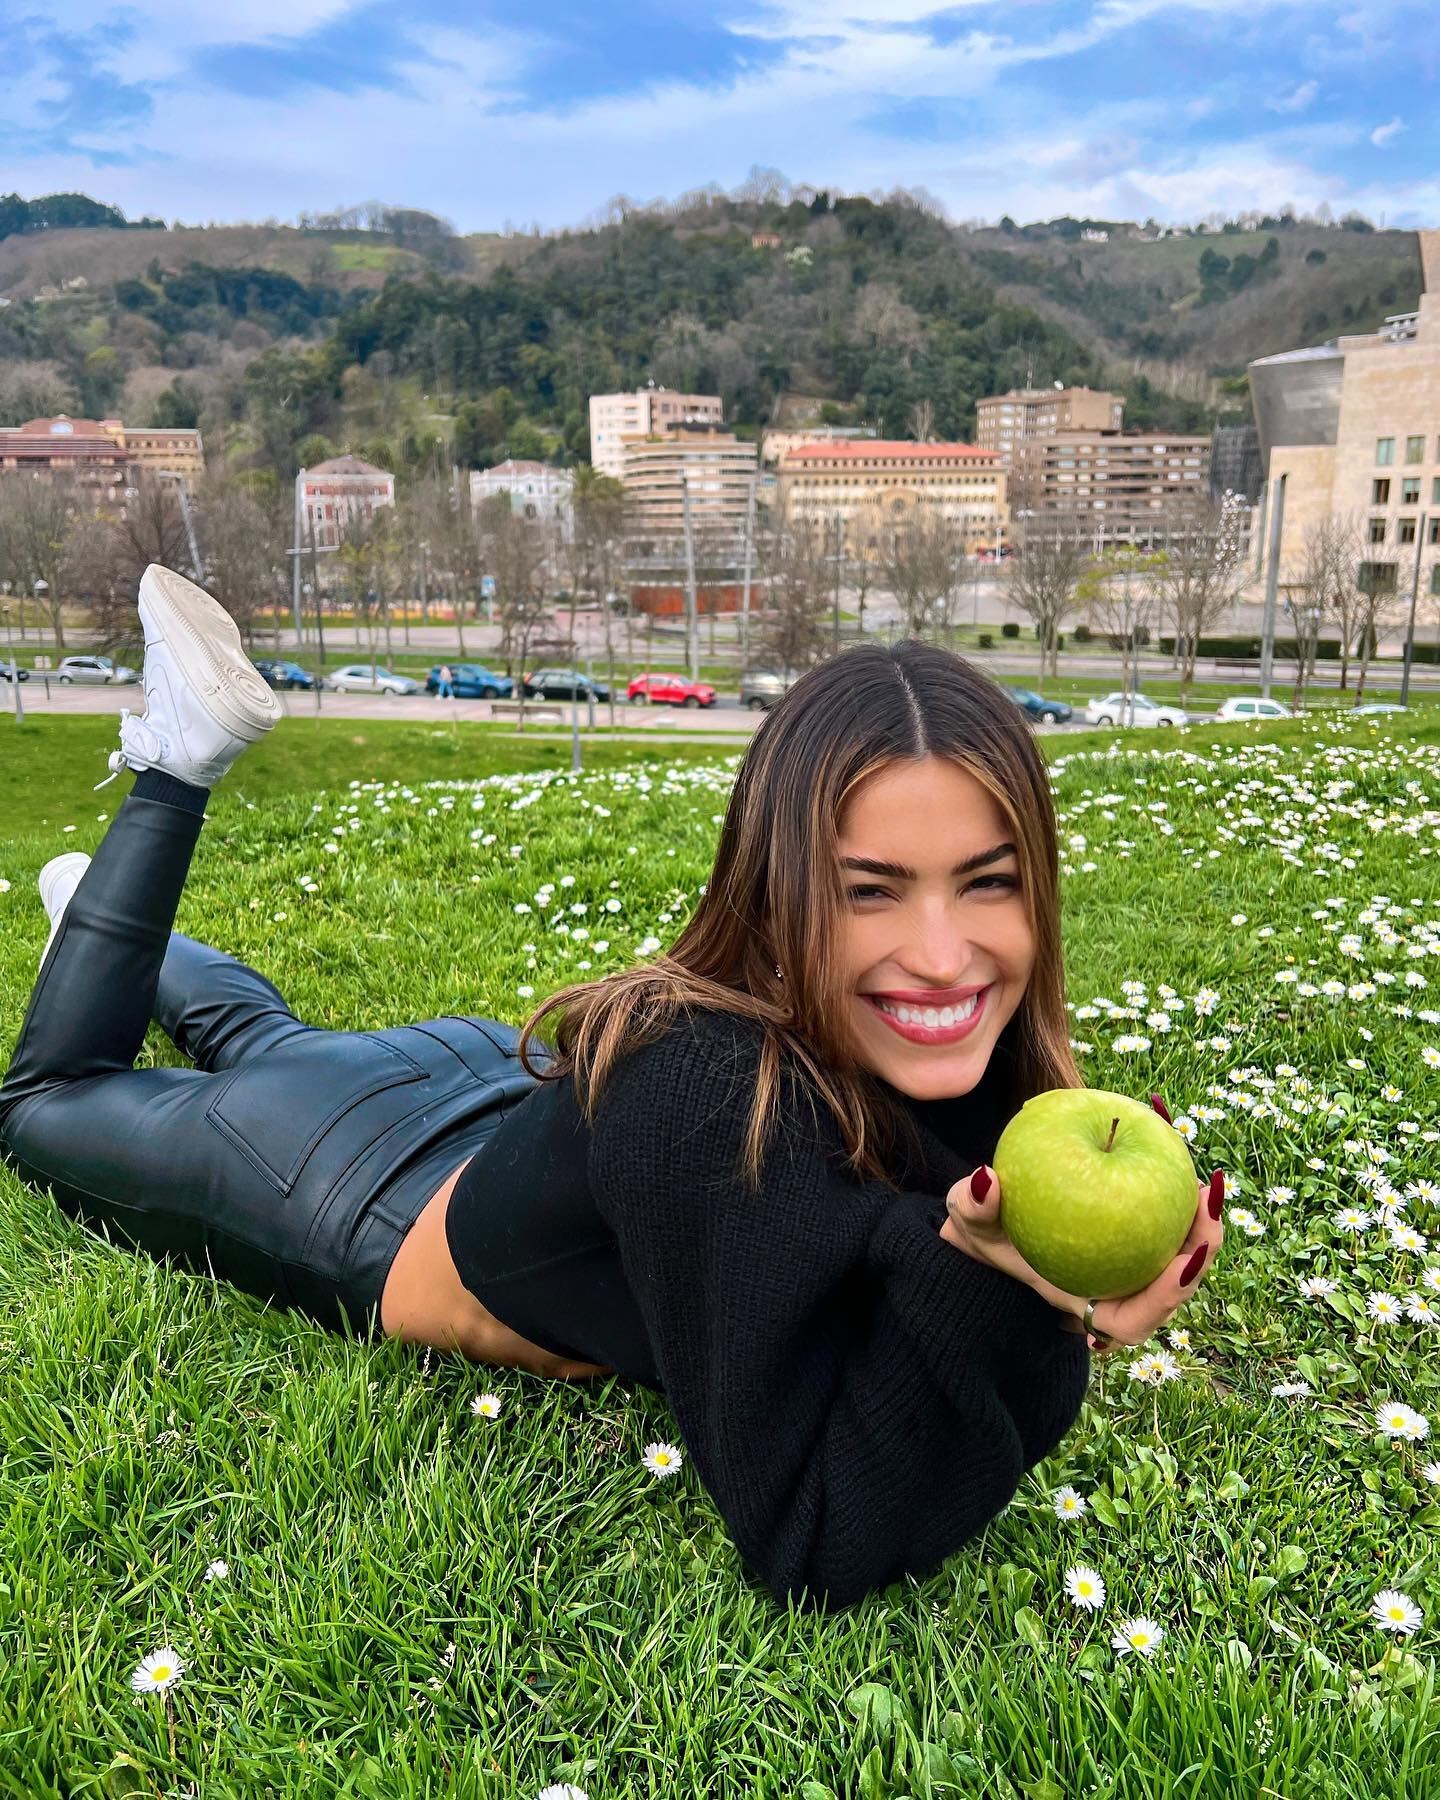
(424, 1602)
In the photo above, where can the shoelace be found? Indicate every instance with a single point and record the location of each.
(132, 725)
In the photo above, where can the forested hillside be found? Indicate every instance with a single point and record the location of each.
(287, 343)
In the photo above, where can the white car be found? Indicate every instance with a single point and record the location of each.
(1247, 706)
(365, 678)
(1373, 707)
(93, 669)
(1133, 709)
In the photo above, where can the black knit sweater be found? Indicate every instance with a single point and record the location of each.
(858, 1396)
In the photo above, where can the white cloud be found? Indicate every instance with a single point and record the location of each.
(1386, 134)
(1297, 100)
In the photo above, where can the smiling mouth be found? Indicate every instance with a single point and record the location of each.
(930, 1024)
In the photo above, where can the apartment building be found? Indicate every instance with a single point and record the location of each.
(647, 412)
(868, 482)
(702, 458)
(1120, 489)
(104, 455)
(1354, 427)
(1006, 422)
(537, 490)
(334, 493)
(777, 441)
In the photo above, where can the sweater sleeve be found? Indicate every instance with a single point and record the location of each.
(858, 1396)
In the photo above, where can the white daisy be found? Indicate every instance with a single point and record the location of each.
(1187, 1128)
(1085, 1587)
(486, 1406)
(160, 1670)
(1291, 1390)
(663, 1459)
(1397, 1421)
(562, 1790)
(1314, 1286)
(218, 1570)
(1277, 1196)
(1406, 1237)
(1140, 1635)
(1430, 1278)
(1155, 1367)
(1430, 1057)
(1068, 1503)
(1431, 1473)
(1419, 1309)
(1352, 1218)
(1384, 1307)
(1397, 1612)
(1179, 1338)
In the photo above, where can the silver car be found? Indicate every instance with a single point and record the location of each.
(367, 678)
(94, 669)
(761, 688)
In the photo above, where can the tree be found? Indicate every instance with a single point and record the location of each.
(1044, 577)
(1315, 589)
(35, 524)
(515, 555)
(1118, 594)
(242, 546)
(920, 556)
(797, 579)
(1201, 570)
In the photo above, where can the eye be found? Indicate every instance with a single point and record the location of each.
(994, 883)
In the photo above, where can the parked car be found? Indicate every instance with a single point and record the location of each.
(563, 684)
(12, 671)
(1048, 712)
(471, 681)
(1252, 706)
(97, 669)
(280, 672)
(363, 678)
(988, 553)
(1379, 706)
(1133, 709)
(670, 690)
(761, 688)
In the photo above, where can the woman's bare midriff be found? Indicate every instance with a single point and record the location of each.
(424, 1301)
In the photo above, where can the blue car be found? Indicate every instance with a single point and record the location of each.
(472, 681)
(279, 672)
(1048, 712)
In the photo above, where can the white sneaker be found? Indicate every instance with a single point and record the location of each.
(204, 699)
(58, 881)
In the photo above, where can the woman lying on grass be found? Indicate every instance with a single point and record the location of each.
(751, 1175)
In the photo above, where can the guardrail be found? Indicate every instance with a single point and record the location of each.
(534, 709)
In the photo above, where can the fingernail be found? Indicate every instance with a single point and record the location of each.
(1161, 1108)
(980, 1185)
(1194, 1266)
(1217, 1193)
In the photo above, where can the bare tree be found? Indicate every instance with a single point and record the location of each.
(1376, 599)
(922, 421)
(1043, 578)
(797, 577)
(35, 525)
(1201, 570)
(242, 544)
(921, 552)
(1314, 597)
(515, 555)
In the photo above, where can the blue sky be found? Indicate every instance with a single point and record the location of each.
(498, 112)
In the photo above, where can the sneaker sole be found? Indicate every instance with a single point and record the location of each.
(56, 870)
(207, 645)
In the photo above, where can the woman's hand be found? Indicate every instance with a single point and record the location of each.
(974, 1226)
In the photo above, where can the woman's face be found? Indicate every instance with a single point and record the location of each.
(938, 947)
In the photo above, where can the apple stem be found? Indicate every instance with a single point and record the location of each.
(1114, 1124)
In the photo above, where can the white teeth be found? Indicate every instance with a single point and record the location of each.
(930, 1017)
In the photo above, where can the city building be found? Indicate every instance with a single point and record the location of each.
(1005, 422)
(645, 413)
(335, 492)
(102, 454)
(1120, 487)
(537, 490)
(1235, 466)
(764, 240)
(777, 441)
(1354, 427)
(716, 468)
(868, 482)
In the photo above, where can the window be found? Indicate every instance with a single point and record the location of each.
(1380, 491)
(1384, 450)
(1407, 531)
(1415, 449)
(1435, 490)
(1434, 534)
(1376, 578)
(1435, 579)
(1377, 531)
(1410, 491)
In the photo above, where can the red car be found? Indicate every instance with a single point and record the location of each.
(669, 690)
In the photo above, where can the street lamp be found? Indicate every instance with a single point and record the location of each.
(14, 669)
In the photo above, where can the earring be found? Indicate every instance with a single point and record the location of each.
(778, 975)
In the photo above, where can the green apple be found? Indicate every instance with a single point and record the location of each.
(1097, 1192)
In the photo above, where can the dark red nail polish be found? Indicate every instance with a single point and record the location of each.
(980, 1184)
(1194, 1266)
(1161, 1108)
(1217, 1194)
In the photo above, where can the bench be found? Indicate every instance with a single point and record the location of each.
(1237, 662)
(534, 709)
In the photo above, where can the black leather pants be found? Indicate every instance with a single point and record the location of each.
(289, 1160)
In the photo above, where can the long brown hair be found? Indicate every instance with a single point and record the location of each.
(775, 899)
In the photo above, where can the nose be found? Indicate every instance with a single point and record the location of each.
(938, 953)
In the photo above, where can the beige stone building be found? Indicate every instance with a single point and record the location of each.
(777, 441)
(1118, 488)
(645, 413)
(333, 493)
(1354, 427)
(868, 482)
(102, 454)
(1006, 422)
(703, 458)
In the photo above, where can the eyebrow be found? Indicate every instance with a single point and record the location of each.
(898, 872)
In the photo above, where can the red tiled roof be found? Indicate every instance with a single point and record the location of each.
(345, 465)
(891, 449)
